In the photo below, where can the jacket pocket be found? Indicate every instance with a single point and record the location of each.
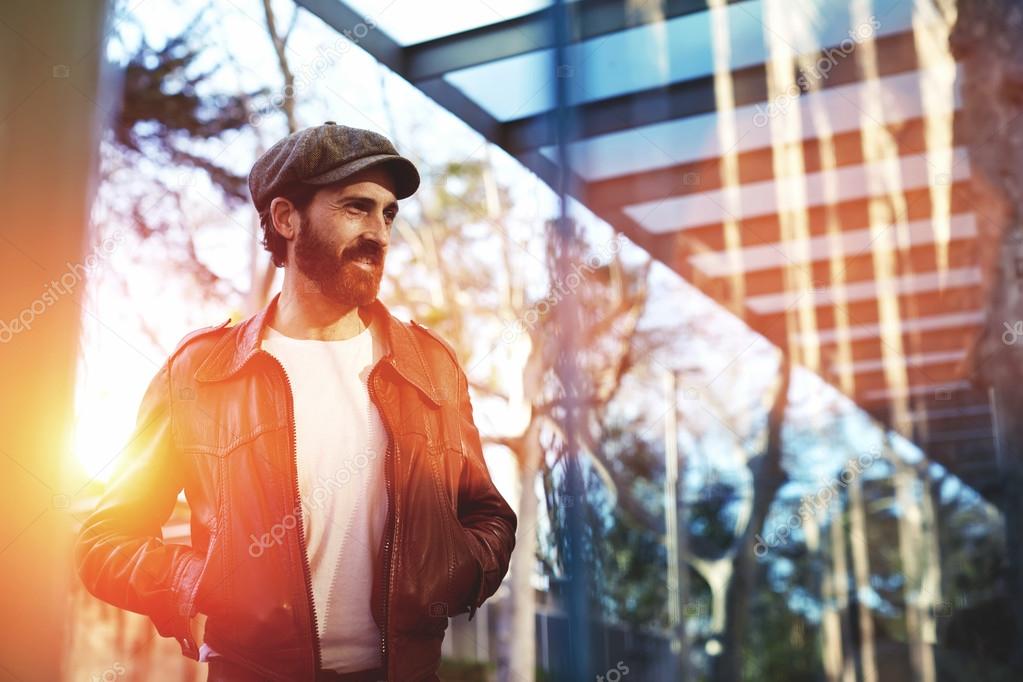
(435, 562)
(212, 592)
(216, 419)
(464, 568)
(199, 438)
(467, 570)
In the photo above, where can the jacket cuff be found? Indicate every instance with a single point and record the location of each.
(183, 590)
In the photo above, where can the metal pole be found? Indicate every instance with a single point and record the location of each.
(579, 668)
(675, 530)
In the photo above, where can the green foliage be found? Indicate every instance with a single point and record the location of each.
(712, 518)
(456, 670)
(781, 645)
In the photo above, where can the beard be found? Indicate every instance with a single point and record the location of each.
(340, 278)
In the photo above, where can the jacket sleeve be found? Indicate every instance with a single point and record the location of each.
(484, 513)
(120, 553)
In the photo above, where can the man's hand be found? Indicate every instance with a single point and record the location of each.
(195, 627)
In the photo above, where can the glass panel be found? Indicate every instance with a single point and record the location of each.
(684, 140)
(812, 189)
(655, 55)
(414, 21)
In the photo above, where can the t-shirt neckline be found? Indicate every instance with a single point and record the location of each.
(276, 335)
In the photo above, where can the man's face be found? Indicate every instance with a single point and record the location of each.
(343, 237)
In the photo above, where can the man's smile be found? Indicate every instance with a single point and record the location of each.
(368, 264)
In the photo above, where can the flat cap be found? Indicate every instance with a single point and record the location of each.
(324, 154)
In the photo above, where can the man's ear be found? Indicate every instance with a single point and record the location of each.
(284, 217)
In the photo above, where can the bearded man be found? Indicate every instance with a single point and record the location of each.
(341, 507)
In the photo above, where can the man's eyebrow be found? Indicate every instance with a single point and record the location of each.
(364, 199)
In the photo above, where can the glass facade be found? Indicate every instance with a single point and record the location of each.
(813, 476)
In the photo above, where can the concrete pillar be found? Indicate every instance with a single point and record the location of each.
(49, 122)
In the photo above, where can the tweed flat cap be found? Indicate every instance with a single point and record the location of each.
(324, 154)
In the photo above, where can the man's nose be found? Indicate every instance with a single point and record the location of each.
(380, 239)
(380, 230)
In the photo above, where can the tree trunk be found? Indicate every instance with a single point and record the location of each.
(768, 477)
(912, 552)
(717, 573)
(861, 570)
(522, 648)
(823, 584)
(838, 587)
(931, 575)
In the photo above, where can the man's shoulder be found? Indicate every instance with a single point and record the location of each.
(198, 340)
(434, 340)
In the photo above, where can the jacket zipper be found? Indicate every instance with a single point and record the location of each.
(299, 522)
(389, 528)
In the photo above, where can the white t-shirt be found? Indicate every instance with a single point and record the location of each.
(340, 442)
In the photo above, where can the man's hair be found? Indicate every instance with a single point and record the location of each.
(300, 196)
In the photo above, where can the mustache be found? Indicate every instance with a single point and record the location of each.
(365, 248)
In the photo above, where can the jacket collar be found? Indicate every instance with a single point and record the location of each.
(242, 342)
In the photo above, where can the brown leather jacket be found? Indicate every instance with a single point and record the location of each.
(217, 421)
